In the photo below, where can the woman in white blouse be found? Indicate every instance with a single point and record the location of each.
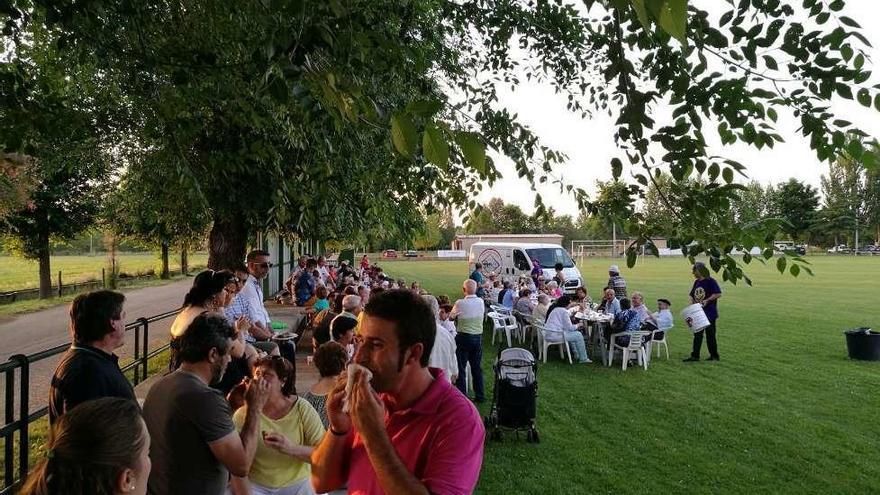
(559, 327)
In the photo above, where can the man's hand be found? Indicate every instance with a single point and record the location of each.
(257, 394)
(339, 421)
(367, 411)
(259, 331)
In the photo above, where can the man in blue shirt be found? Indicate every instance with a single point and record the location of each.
(477, 276)
(706, 293)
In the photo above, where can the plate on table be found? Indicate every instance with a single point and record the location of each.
(285, 336)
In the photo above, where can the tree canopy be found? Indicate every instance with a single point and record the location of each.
(323, 118)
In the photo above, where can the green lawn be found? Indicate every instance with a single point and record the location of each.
(784, 411)
(17, 273)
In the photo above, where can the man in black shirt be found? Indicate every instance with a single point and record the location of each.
(89, 370)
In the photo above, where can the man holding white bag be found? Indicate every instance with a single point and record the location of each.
(403, 428)
(706, 293)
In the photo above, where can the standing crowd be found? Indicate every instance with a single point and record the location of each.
(383, 417)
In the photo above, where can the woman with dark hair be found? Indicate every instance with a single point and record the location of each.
(330, 359)
(210, 292)
(100, 447)
(559, 328)
(291, 428)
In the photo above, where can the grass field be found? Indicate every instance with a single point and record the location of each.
(784, 411)
(17, 273)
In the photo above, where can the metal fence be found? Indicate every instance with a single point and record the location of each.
(21, 422)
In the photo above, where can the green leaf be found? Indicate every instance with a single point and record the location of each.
(780, 264)
(795, 270)
(435, 147)
(616, 168)
(877, 101)
(639, 6)
(727, 173)
(424, 108)
(849, 22)
(473, 149)
(864, 97)
(844, 91)
(630, 257)
(403, 134)
(770, 62)
(859, 61)
(772, 114)
(673, 19)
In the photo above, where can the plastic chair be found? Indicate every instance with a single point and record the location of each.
(503, 323)
(545, 344)
(658, 343)
(636, 339)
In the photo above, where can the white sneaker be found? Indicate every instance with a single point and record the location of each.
(588, 361)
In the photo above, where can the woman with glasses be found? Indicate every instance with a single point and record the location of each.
(291, 428)
(210, 292)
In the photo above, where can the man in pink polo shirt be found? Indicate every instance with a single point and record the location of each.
(408, 430)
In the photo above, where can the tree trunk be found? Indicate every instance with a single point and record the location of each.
(184, 261)
(45, 268)
(166, 274)
(227, 243)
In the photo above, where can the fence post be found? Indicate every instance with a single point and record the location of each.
(60, 287)
(103, 278)
(146, 346)
(23, 415)
(8, 442)
(137, 353)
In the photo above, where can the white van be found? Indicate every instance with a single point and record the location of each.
(509, 261)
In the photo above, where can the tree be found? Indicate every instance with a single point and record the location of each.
(431, 236)
(180, 221)
(796, 203)
(752, 204)
(844, 192)
(274, 93)
(52, 119)
(15, 183)
(872, 202)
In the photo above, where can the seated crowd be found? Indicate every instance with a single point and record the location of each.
(226, 417)
(542, 300)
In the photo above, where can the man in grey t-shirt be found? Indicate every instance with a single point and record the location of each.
(194, 445)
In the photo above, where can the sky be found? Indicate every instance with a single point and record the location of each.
(590, 147)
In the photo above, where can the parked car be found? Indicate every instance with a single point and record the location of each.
(389, 253)
(411, 254)
(839, 249)
(869, 249)
(801, 249)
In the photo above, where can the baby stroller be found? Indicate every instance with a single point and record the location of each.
(514, 396)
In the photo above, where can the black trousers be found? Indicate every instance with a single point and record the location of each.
(711, 341)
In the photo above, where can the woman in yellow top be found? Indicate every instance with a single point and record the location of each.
(290, 428)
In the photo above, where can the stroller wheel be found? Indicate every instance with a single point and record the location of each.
(532, 436)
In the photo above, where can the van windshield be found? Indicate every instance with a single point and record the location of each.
(548, 257)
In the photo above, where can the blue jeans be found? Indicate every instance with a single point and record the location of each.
(576, 342)
(469, 349)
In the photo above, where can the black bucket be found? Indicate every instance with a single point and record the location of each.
(863, 344)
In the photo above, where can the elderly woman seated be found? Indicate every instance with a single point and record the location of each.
(553, 290)
(560, 327)
(539, 312)
(524, 304)
(627, 320)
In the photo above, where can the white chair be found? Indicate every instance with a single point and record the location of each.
(636, 339)
(503, 324)
(545, 344)
(658, 343)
